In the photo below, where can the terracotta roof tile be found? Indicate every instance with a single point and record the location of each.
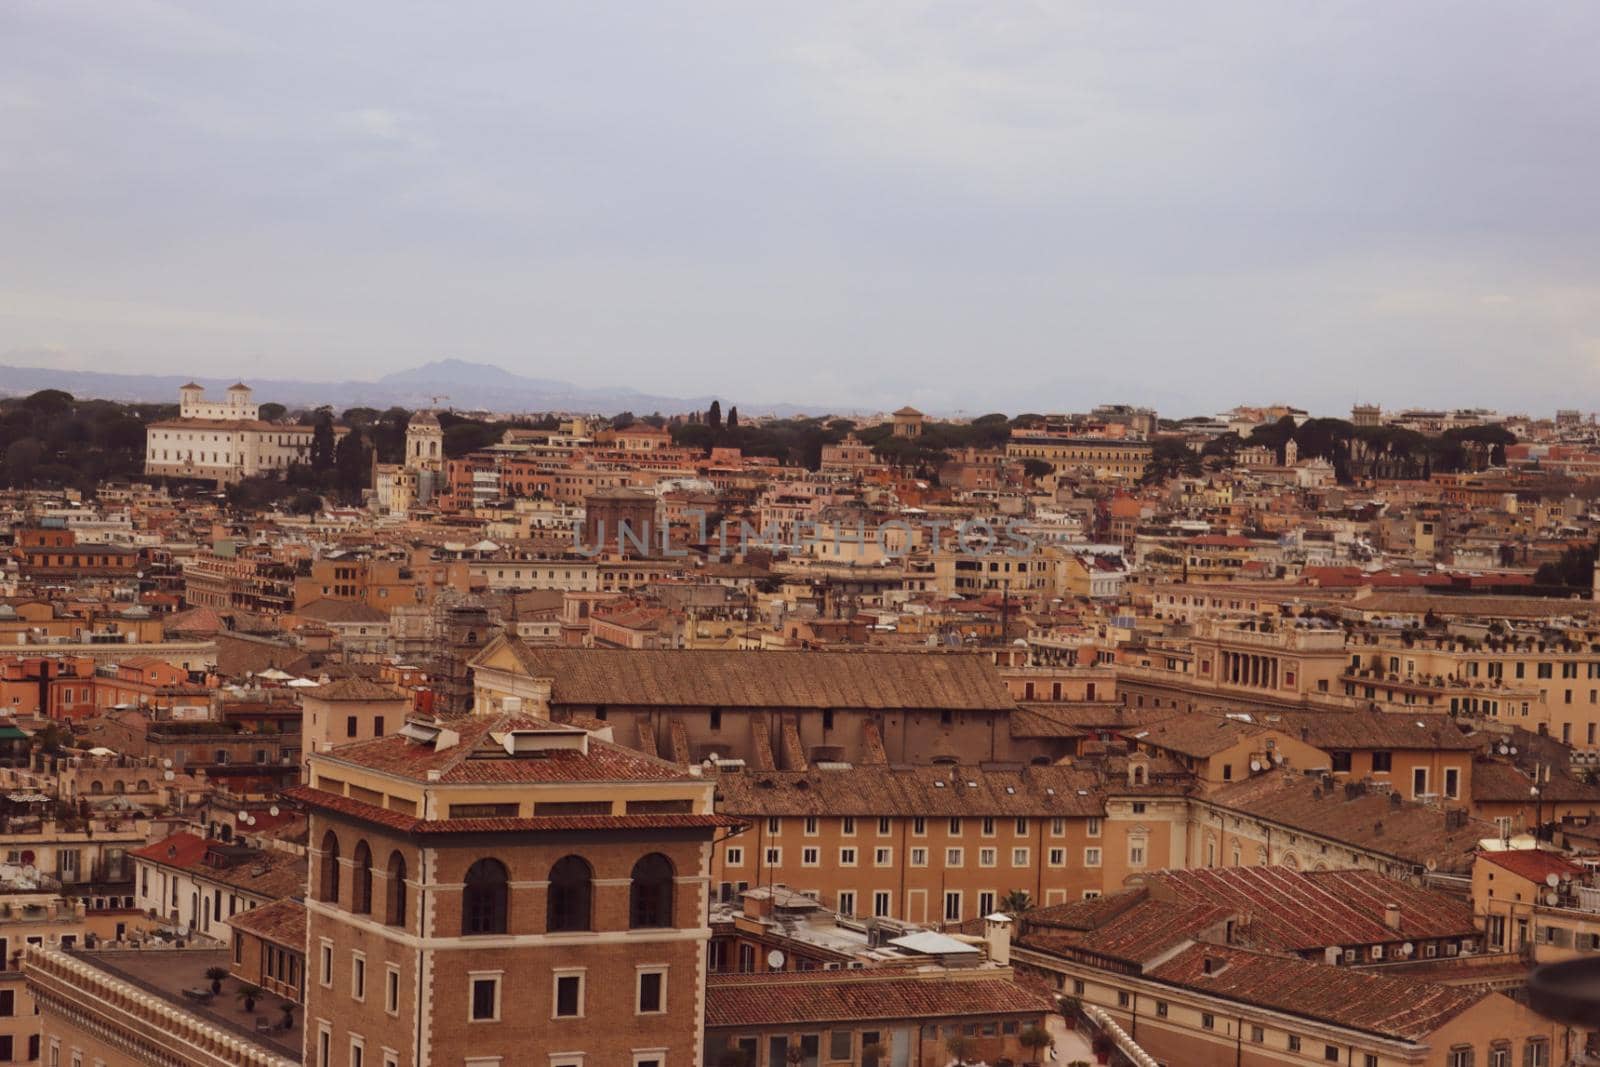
(937, 792)
(283, 922)
(1401, 1008)
(777, 679)
(1532, 864)
(478, 757)
(815, 997)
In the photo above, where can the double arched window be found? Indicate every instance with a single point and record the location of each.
(569, 901)
(328, 876)
(361, 894)
(484, 900)
(650, 895)
(394, 912)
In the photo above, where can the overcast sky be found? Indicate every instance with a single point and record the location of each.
(968, 206)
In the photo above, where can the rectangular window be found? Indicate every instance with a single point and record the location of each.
(919, 857)
(1294, 1042)
(952, 906)
(986, 857)
(847, 857)
(568, 995)
(847, 903)
(1208, 1021)
(1093, 829)
(1058, 857)
(988, 826)
(847, 826)
(953, 857)
(485, 999)
(810, 856)
(1257, 1034)
(774, 857)
(881, 904)
(358, 976)
(883, 857)
(883, 826)
(773, 825)
(358, 1052)
(391, 990)
(1161, 1009)
(1022, 827)
(326, 975)
(1382, 762)
(1091, 857)
(1019, 857)
(734, 857)
(839, 1044)
(955, 827)
(811, 826)
(652, 991)
(1058, 827)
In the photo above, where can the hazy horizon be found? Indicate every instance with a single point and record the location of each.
(963, 207)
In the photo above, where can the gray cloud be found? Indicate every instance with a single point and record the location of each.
(965, 205)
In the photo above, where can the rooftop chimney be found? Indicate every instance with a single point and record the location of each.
(1391, 916)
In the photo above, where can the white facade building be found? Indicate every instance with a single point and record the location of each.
(223, 442)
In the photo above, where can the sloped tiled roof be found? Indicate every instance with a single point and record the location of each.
(816, 997)
(1371, 729)
(778, 679)
(356, 689)
(1364, 817)
(1301, 910)
(1534, 864)
(341, 611)
(1401, 1008)
(936, 792)
(180, 850)
(283, 922)
(478, 757)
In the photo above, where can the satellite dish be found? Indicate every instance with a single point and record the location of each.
(273, 810)
(775, 960)
(168, 775)
(1552, 879)
(1255, 765)
(166, 763)
(1407, 949)
(1552, 899)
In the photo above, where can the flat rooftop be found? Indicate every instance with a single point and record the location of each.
(167, 972)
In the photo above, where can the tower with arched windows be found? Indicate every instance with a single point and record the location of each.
(424, 442)
(500, 889)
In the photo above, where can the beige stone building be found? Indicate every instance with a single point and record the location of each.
(225, 441)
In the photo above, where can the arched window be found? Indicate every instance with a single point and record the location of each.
(568, 903)
(483, 903)
(328, 883)
(361, 896)
(97, 787)
(650, 897)
(394, 912)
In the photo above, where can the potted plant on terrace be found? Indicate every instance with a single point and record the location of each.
(249, 994)
(1035, 1039)
(216, 974)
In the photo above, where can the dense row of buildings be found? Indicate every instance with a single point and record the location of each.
(591, 748)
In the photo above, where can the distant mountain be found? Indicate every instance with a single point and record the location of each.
(455, 383)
